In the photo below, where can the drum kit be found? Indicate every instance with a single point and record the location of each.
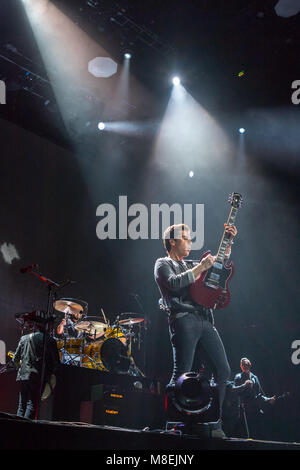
(99, 345)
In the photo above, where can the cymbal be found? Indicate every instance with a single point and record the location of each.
(131, 321)
(67, 306)
(129, 314)
(91, 326)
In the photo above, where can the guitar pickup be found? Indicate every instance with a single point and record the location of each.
(217, 265)
(212, 285)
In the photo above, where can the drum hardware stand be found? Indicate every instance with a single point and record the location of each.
(91, 359)
(137, 299)
(82, 349)
(133, 368)
(67, 356)
(94, 360)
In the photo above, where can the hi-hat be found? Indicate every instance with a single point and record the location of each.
(129, 314)
(131, 321)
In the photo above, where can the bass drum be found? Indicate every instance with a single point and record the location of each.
(109, 355)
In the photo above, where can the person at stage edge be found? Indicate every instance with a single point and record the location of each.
(251, 401)
(28, 358)
(189, 322)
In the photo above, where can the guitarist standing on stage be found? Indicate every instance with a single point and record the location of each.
(251, 401)
(28, 358)
(189, 322)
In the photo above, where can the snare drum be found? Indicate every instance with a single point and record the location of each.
(73, 345)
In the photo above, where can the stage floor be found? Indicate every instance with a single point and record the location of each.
(22, 434)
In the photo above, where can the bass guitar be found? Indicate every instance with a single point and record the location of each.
(211, 289)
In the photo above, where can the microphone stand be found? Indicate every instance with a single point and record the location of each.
(146, 331)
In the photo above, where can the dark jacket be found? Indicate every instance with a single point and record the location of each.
(252, 397)
(173, 279)
(30, 352)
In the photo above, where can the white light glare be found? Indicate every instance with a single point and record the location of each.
(191, 174)
(102, 67)
(127, 55)
(101, 126)
(176, 81)
(242, 130)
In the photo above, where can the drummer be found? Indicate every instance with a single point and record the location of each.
(68, 323)
(68, 328)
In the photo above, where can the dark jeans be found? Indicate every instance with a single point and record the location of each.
(28, 398)
(185, 333)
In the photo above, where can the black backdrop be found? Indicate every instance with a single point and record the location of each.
(49, 197)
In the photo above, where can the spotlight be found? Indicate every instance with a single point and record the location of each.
(191, 174)
(194, 399)
(176, 81)
(101, 126)
(127, 55)
(242, 130)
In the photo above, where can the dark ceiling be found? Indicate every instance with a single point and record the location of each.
(207, 42)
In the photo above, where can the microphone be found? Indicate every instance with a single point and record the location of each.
(28, 268)
(66, 283)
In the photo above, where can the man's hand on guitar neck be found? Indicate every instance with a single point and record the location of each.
(230, 230)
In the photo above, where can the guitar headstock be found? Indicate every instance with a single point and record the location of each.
(235, 200)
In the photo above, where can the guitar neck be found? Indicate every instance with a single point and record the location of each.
(225, 238)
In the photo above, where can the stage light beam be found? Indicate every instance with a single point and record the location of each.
(176, 81)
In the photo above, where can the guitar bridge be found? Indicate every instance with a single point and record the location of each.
(211, 285)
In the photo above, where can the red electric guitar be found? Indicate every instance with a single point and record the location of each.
(211, 289)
